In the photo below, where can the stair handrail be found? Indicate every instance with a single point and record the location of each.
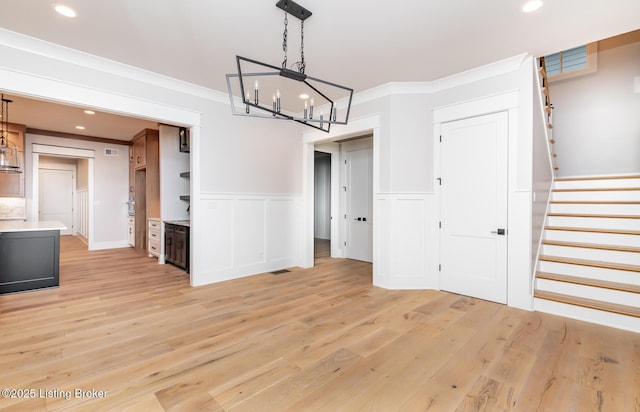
(548, 110)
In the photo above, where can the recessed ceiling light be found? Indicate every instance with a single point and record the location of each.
(80, 127)
(304, 96)
(65, 10)
(89, 112)
(532, 6)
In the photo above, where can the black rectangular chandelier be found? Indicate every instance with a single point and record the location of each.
(263, 90)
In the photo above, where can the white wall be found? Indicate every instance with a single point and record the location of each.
(596, 116)
(172, 163)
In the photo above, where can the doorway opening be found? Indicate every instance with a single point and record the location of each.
(62, 182)
(343, 198)
(322, 205)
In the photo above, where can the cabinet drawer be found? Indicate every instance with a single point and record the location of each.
(154, 247)
(154, 235)
(154, 225)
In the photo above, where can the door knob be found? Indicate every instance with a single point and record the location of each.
(500, 232)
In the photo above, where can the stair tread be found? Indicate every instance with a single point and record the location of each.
(600, 246)
(597, 189)
(592, 263)
(588, 303)
(596, 215)
(601, 283)
(582, 178)
(596, 202)
(594, 230)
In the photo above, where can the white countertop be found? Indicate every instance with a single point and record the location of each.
(30, 225)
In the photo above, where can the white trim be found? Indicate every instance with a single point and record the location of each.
(476, 107)
(39, 87)
(470, 76)
(62, 151)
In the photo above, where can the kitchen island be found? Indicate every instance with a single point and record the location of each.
(29, 255)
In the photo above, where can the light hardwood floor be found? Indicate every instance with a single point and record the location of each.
(322, 339)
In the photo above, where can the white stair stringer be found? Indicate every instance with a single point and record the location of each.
(589, 263)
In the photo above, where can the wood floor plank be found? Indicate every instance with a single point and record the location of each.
(314, 339)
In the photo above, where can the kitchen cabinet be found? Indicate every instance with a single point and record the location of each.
(140, 150)
(176, 243)
(30, 255)
(12, 184)
(153, 234)
(146, 159)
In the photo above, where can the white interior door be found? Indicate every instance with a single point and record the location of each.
(359, 204)
(473, 207)
(55, 197)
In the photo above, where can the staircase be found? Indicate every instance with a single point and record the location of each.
(589, 264)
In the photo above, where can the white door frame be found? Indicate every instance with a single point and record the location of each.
(519, 291)
(359, 127)
(43, 149)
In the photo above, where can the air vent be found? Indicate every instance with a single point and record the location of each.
(111, 152)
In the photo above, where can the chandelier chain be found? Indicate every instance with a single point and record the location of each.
(284, 40)
(302, 65)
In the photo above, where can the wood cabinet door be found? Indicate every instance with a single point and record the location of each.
(181, 247)
(169, 243)
(140, 152)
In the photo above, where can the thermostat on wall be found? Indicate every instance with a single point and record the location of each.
(111, 152)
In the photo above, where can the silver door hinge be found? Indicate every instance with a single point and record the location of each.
(440, 225)
(439, 268)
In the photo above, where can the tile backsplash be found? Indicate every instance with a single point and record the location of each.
(12, 208)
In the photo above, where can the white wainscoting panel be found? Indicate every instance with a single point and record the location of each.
(408, 245)
(83, 213)
(250, 229)
(283, 229)
(246, 234)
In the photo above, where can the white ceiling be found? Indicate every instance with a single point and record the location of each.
(357, 43)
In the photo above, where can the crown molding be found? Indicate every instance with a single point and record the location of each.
(54, 51)
(470, 76)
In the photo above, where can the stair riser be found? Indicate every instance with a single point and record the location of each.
(628, 258)
(589, 292)
(600, 238)
(588, 315)
(618, 195)
(595, 222)
(599, 183)
(595, 209)
(612, 275)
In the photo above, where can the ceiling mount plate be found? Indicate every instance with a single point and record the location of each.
(294, 9)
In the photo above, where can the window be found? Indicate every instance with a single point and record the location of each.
(573, 62)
